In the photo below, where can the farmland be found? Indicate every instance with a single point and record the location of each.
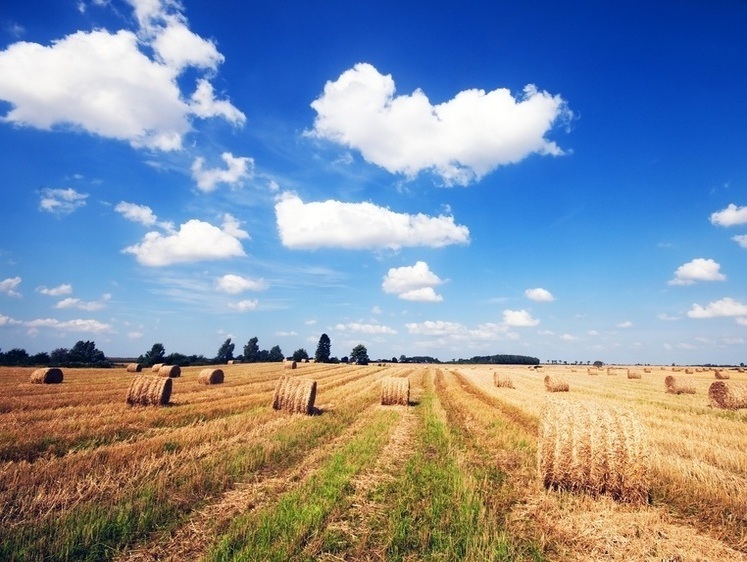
(219, 475)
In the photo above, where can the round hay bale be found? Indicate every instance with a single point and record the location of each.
(591, 371)
(289, 365)
(586, 447)
(502, 380)
(156, 367)
(721, 375)
(47, 375)
(688, 371)
(555, 384)
(210, 376)
(149, 390)
(634, 374)
(295, 395)
(134, 368)
(678, 385)
(171, 371)
(395, 391)
(728, 395)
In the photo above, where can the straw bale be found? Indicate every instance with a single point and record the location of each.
(646, 370)
(171, 371)
(134, 368)
(156, 366)
(502, 380)
(555, 384)
(210, 376)
(47, 375)
(289, 365)
(634, 374)
(149, 390)
(295, 395)
(395, 391)
(688, 371)
(721, 375)
(586, 447)
(678, 385)
(728, 395)
(591, 371)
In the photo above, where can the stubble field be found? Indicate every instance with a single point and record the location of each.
(220, 475)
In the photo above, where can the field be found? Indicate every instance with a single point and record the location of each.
(220, 475)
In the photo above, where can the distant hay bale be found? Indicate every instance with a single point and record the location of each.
(134, 368)
(721, 375)
(688, 371)
(555, 384)
(634, 374)
(646, 370)
(728, 395)
(678, 385)
(171, 371)
(149, 390)
(156, 366)
(47, 375)
(289, 365)
(591, 371)
(618, 371)
(295, 395)
(210, 376)
(395, 391)
(502, 380)
(586, 447)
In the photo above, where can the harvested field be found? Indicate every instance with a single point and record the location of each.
(221, 475)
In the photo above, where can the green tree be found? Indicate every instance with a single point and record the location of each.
(85, 353)
(323, 349)
(359, 355)
(225, 353)
(155, 355)
(276, 354)
(300, 355)
(251, 351)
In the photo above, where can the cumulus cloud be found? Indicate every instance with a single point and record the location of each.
(121, 85)
(461, 140)
(625, 324)
(370, 329)
(141, 214)
(359, 226)
(58, 291)
(539, 295)
(414, 283)
(8, 321)
(61, 201)
(519, 319)
(455, 332)
(741, 239)
(9, 285)
(720, 308)
(235, 284)
(699, 269)
(195, 241)
(77, 325)
(245, 305)
(237, 169)
(89, 306)
(730, 216)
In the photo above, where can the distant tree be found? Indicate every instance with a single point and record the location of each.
(155, 355)
(300, 355)
(58, 356)
(16, 357)
(394, 360)
(251, 351)
(84, 353)
(177, 359)
(323, 349)
(225, 353)
(403, 358)
(359, 355)
(263, 356)
(344, 359)
(598, 364)
(275, 354)
(40, 359)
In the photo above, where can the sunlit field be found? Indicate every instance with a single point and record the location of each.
(219, 475)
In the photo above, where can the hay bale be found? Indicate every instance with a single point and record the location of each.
(678, 385)
(395, 391)
(721, 375)
(728, 395)
(591, 371)
(688, 371)
(149, 390)
(295, 395)
(156, 367)
(634, 374)
(171, 371)
(586, 447)
(555, 384)
(134, 368)
(502, 380)
(646, 370)
(47, 375)
(210, 376)
(289, 365)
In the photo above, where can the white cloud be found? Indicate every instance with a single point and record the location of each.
(371, 329)
(519, 319)
(741, 239)
(77, 325)
(568, 337)
(697, 270)
(107, 84)
(8, 321)
(625, 324)
(245, 305)
(414, 283)
(461, 140)
(58, 291)
(358, 226)
(237, 169)
(286, 334)
(731, 216)
(231, 225)
(61, 201)
(235, 284)
(724, 307)
(195, 241)
(9, 285)
(89, 306)
(454, 332)
(539, 295)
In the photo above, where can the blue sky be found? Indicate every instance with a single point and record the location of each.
(560, 180)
